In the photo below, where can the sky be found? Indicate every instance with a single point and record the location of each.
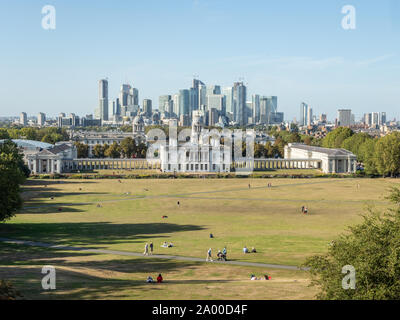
(296, 50)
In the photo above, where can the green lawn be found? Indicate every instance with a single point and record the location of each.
(131, 211)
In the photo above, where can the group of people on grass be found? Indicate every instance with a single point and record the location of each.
(253, 250)
(221, 255)
(159, 279)
(266, 277)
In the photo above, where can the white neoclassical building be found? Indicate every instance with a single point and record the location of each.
(202, 153)
(52, 160)
(332, 160)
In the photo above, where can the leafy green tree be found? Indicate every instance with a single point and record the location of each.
(368, 155)
(113, 151)
(335, 138)
(128, 147)
(4, 134)
(373, 249)
(98, 151)
(354, 143)
(307, 140)
(12, 174)
(387, 154)
(83, 150)
(29, 133)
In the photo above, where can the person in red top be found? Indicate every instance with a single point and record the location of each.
(159, 278)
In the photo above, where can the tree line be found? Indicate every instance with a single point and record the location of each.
(128, 148)
(49, 135)
(379, 156)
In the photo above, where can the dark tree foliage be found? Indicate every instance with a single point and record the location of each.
(13, 173)
(373, 249)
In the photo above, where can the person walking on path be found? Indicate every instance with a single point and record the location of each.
(146, 250)
(151, 248)
(209, 258)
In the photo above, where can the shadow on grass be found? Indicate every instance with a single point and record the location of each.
(88, 279)
(91, 233)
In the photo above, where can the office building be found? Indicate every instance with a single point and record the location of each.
(23, 119)
(344, 118)
(147, 107)
(103, 99)
(239, 103)
(41, 119)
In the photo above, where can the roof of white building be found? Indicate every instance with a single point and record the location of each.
(328, 151)
(30, 144)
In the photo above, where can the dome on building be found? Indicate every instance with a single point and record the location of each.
(138, 120)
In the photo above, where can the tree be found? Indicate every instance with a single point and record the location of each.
(387, 154)
(368, 156)
(373, 249)
(335, 138)
(307, 140)
(12, 174)
(83, 150)
(7, 291)
(128, 147)
(113, 151)
(98, 151)
(4, 134)
(354, 143)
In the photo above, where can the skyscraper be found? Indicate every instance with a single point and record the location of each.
(239, 103)
(23, 119)
(123, 96)
(306, 116)
(197, 86)
(103, 99)
(228, 92)
(41, 119)
(184, 102)
(344, 117)
(216, 101)
(147, 107)
(161, 102)
(255, 99)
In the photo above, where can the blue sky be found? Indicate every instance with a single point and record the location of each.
(294, 49)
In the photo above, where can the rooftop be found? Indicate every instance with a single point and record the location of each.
(332, 152)
(31, 144)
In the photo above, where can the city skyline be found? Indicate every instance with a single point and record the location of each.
(304, 55)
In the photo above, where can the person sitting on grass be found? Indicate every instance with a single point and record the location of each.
(149, 279)
(253, 277)
(159, 278)
(245, 250)
(253, 250)
(170, 245)
(165, 245)
(266, 277)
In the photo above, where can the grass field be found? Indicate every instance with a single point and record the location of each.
(130, 214)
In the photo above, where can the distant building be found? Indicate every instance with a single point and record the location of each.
(147, 107)
(202, 154)
(103, 100)
(344, 118)
(239, 103)
(57, 159)
(306, 114)
(41, 119)
(162, 103)
(216, 101)
(23, 119)
(331, 160)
